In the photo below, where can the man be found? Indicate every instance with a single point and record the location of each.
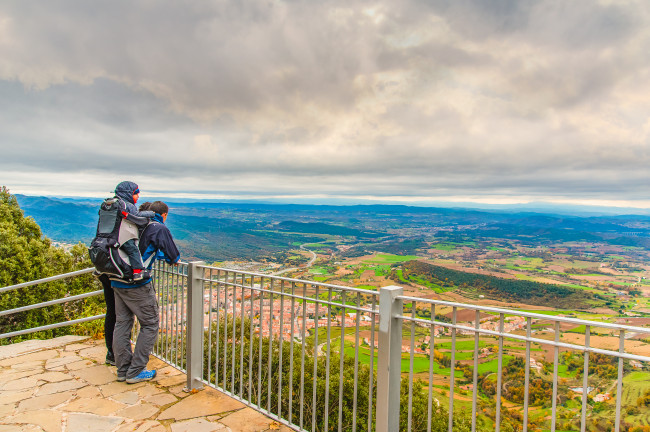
(137, 298)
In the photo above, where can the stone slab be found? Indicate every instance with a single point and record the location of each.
(61, 361)
(138, 412)
(52, 377)
(129, 397)
(179, 391)
(48, 420)
(7, 410)
(148, 390)
(96, 375)
(247, 420)
(20, 384)
(81, 364)
(38, 356)
(92, 423)
(14, 375)
(11, 397)
(60, 387)
(98, 406)
(97, 353)
(43, 402)
(30, 365)
(116, 387)
(172, 380)
(196, 425)
(33, 345)
(204, 403)
(89, 392)
(141, 426)
(161, 399)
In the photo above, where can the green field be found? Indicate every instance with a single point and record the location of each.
(391, 259)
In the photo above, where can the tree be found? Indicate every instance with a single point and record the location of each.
(26, 255)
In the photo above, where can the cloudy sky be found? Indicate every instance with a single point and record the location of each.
(498, 101)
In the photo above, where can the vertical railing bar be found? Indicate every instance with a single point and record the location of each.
(356, 364)
(225, 331)
(280, 346)
(218, 319)
(154, 282)
(302, 359)
(527, 374)
(431, 344)
(233, 345)
(178, 316)
(179, 350)
(499, 373)
(209, 326)
(341, 358)
(242, 302)
(315, 379)
(556, 353)
(452, 369)
(182, 322)
(411, 359)
(172, 299)
(619, 384)
(168, 309)
(371, 383)
(585, 380)
(327, 359)
(477, 326)
(260, 347)
(271, 321)
(250, 344)
(292, 329)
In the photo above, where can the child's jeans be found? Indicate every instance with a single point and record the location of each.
(135, 259)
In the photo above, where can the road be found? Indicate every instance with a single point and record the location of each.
(309, 264)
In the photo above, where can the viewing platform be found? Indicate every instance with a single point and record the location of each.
(63, 385)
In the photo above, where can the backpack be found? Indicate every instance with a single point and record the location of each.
(115, 227)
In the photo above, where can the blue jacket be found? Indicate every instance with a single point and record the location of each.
(124, 191)
(156, 242)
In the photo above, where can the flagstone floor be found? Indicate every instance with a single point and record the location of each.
(63, 385)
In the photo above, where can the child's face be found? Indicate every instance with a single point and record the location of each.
(135, 197)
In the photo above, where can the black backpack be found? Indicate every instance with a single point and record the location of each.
(104, 250)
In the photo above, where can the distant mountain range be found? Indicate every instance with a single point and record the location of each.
(221, 231)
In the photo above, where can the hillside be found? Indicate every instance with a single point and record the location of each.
(524, 291)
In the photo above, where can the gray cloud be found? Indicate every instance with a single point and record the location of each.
(413, 98)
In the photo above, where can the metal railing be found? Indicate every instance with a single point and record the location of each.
(321, 357)
(49, 303)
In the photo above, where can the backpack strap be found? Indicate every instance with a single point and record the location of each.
(152, 257)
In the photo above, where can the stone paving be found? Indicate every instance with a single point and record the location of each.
(63, 385)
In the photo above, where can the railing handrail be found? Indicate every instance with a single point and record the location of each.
(49, 303)
(47, 279)
(320, 284)
(527, 314)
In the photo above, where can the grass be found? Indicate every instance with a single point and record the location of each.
(493, 365)
(391, 259)
(444, 247)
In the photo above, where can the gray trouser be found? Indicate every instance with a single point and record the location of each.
(141, 302)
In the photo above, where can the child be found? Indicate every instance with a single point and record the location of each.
(129, 193)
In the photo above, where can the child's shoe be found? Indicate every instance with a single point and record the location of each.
(137, 274)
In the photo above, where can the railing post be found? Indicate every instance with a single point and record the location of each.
(194, 341)
(389, 365)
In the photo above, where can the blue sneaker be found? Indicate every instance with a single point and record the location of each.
(144, 375)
